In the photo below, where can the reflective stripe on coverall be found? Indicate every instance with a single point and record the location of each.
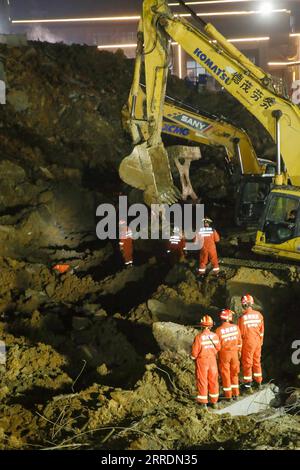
(126, 245)
(204, 351)
(208, 237)
(176, 245)
(251, 325)
(229, 364)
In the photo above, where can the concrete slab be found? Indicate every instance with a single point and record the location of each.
(249, 404)
(174, 337)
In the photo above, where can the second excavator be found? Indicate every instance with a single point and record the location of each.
(251, 176)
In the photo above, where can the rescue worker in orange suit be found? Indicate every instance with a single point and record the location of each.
(126, 243)
(208, 237)
(176, 245)
(251, 325)
(204, 351)
(231, 345)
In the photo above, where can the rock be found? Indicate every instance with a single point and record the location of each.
(50, 289)
(89, 354)
(103, 370)
(18, 100)
(46, 197)
(176, 274)
(114, 284)
(294, 398)
(91, 309)
(172, 309)
(149, 357)
(46, 172)
(100, 314)
(259, 284)
(82, 337)
(174, 337)
(80, 323)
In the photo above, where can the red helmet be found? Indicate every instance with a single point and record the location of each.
(226, 314)
(207, 321)
(247, 300)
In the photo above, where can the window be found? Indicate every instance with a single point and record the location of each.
(281, 207)
(281, 220)
(255, 192)
(194, 70)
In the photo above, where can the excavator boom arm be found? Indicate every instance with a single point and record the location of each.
(192, 125)
(198, 128)
(247, 83)
(147, 168)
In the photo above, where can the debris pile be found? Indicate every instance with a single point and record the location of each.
(88, 364)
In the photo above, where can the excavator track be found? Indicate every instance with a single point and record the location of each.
(255, 264)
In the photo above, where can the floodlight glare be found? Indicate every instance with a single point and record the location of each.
(266, 8)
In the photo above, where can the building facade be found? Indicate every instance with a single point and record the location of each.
(266, 32)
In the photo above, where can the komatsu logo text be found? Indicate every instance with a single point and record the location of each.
(220, 72)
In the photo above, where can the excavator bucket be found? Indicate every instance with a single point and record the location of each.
(147, 168)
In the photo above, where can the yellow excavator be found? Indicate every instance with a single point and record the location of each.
(147, 167)
(251, 175)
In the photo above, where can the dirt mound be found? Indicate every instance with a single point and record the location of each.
(158, 413)
(61, 140)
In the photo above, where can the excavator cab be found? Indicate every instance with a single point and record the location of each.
(251, 192)
(279, 228)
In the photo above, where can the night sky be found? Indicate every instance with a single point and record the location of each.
(103, 33)
(76, 8)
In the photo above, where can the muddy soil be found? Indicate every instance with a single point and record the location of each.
(77, 376)
(83, 368)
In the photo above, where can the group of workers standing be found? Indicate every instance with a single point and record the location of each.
(221, 352)
(206, 239)
(218, 353)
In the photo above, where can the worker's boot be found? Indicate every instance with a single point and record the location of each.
(215, 406)
(224, 400)
(201, 277)
(202, 406)
(247, 389)
(257, 386)
(235, 398)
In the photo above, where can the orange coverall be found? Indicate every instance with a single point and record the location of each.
(251, 325)
(61, 268)
(126, 245)
(208, 237)
(229, 364)
(204, 351)
(176, 245)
